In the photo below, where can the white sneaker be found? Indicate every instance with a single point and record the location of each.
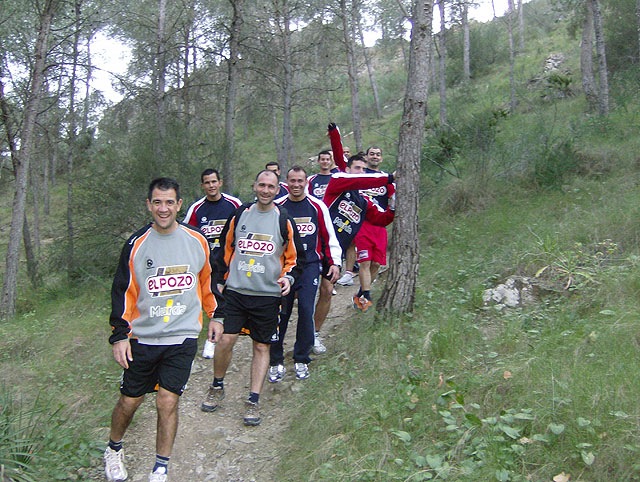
(276, 373)
(318, 346)
(114, 465)
(158, 476)
(302, 371)
(209, 349)
(334, 292)
(346, 279)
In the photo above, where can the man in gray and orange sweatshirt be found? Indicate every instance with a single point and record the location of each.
(262, 258)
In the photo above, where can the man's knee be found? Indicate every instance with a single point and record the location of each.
(166, 401)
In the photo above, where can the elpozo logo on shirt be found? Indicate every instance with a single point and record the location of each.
(256, 244)
(305, 226)
(350, 211)
(214, 228)
(170, 280)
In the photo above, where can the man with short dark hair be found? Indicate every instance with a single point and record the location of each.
(161, 285)
(209, 214)
(261, 260)
(275, 167)
(323, 257)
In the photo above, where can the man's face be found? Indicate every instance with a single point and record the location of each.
(346, 150)
(357, 167)
(296, 180)
(266, 187)
(211, 186)
(325, 162)
(164, 207)
(374, 158)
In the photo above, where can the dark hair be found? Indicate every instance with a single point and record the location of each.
(269, 171)
(373, 147)
(297, 169)
(208, 172)
(164, 184)
(272, 163)
(355, 157)
(325, 152)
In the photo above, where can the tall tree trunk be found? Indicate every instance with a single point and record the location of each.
(287, 128)
(603, 77)
(586, 61)
(160, 85)
(512, 56)
(86, 107)
(9, 288)
(433, 65)
(443, 64)
(521, 25)
(367, 60)
(232, 92)
(73, 144)
(399, 292)
(353, 76)
(466, 44)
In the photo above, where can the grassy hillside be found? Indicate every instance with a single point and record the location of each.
(459, 390)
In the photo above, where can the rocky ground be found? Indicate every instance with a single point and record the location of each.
(217, 446)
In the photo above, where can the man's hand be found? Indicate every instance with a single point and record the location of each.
(334, 272)
(220, 288)
(122, 353)
(332, 126)
(216, 329)
(285, 285)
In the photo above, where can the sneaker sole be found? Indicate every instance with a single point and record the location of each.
(252, 423)
(274, 381)
(207, 408)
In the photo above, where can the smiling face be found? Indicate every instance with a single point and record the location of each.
(164, 206)
(266, 187)
(211, 186)
(296, 180)
(374, 158)
(325, 162)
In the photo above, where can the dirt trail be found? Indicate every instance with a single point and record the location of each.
(217, 446)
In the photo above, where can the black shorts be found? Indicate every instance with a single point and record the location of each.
(258, 314)
(153, 366)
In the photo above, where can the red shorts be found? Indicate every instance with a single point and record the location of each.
(371, 243)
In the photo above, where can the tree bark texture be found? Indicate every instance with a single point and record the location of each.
(466, 43)
(287, 101)
(232, 93)
(521, 25)
(399, 292)
(442, 41)
(9, 288)
(603, 77)
(160, 84)
(512, 55)
(353, 76)
(586, 61)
